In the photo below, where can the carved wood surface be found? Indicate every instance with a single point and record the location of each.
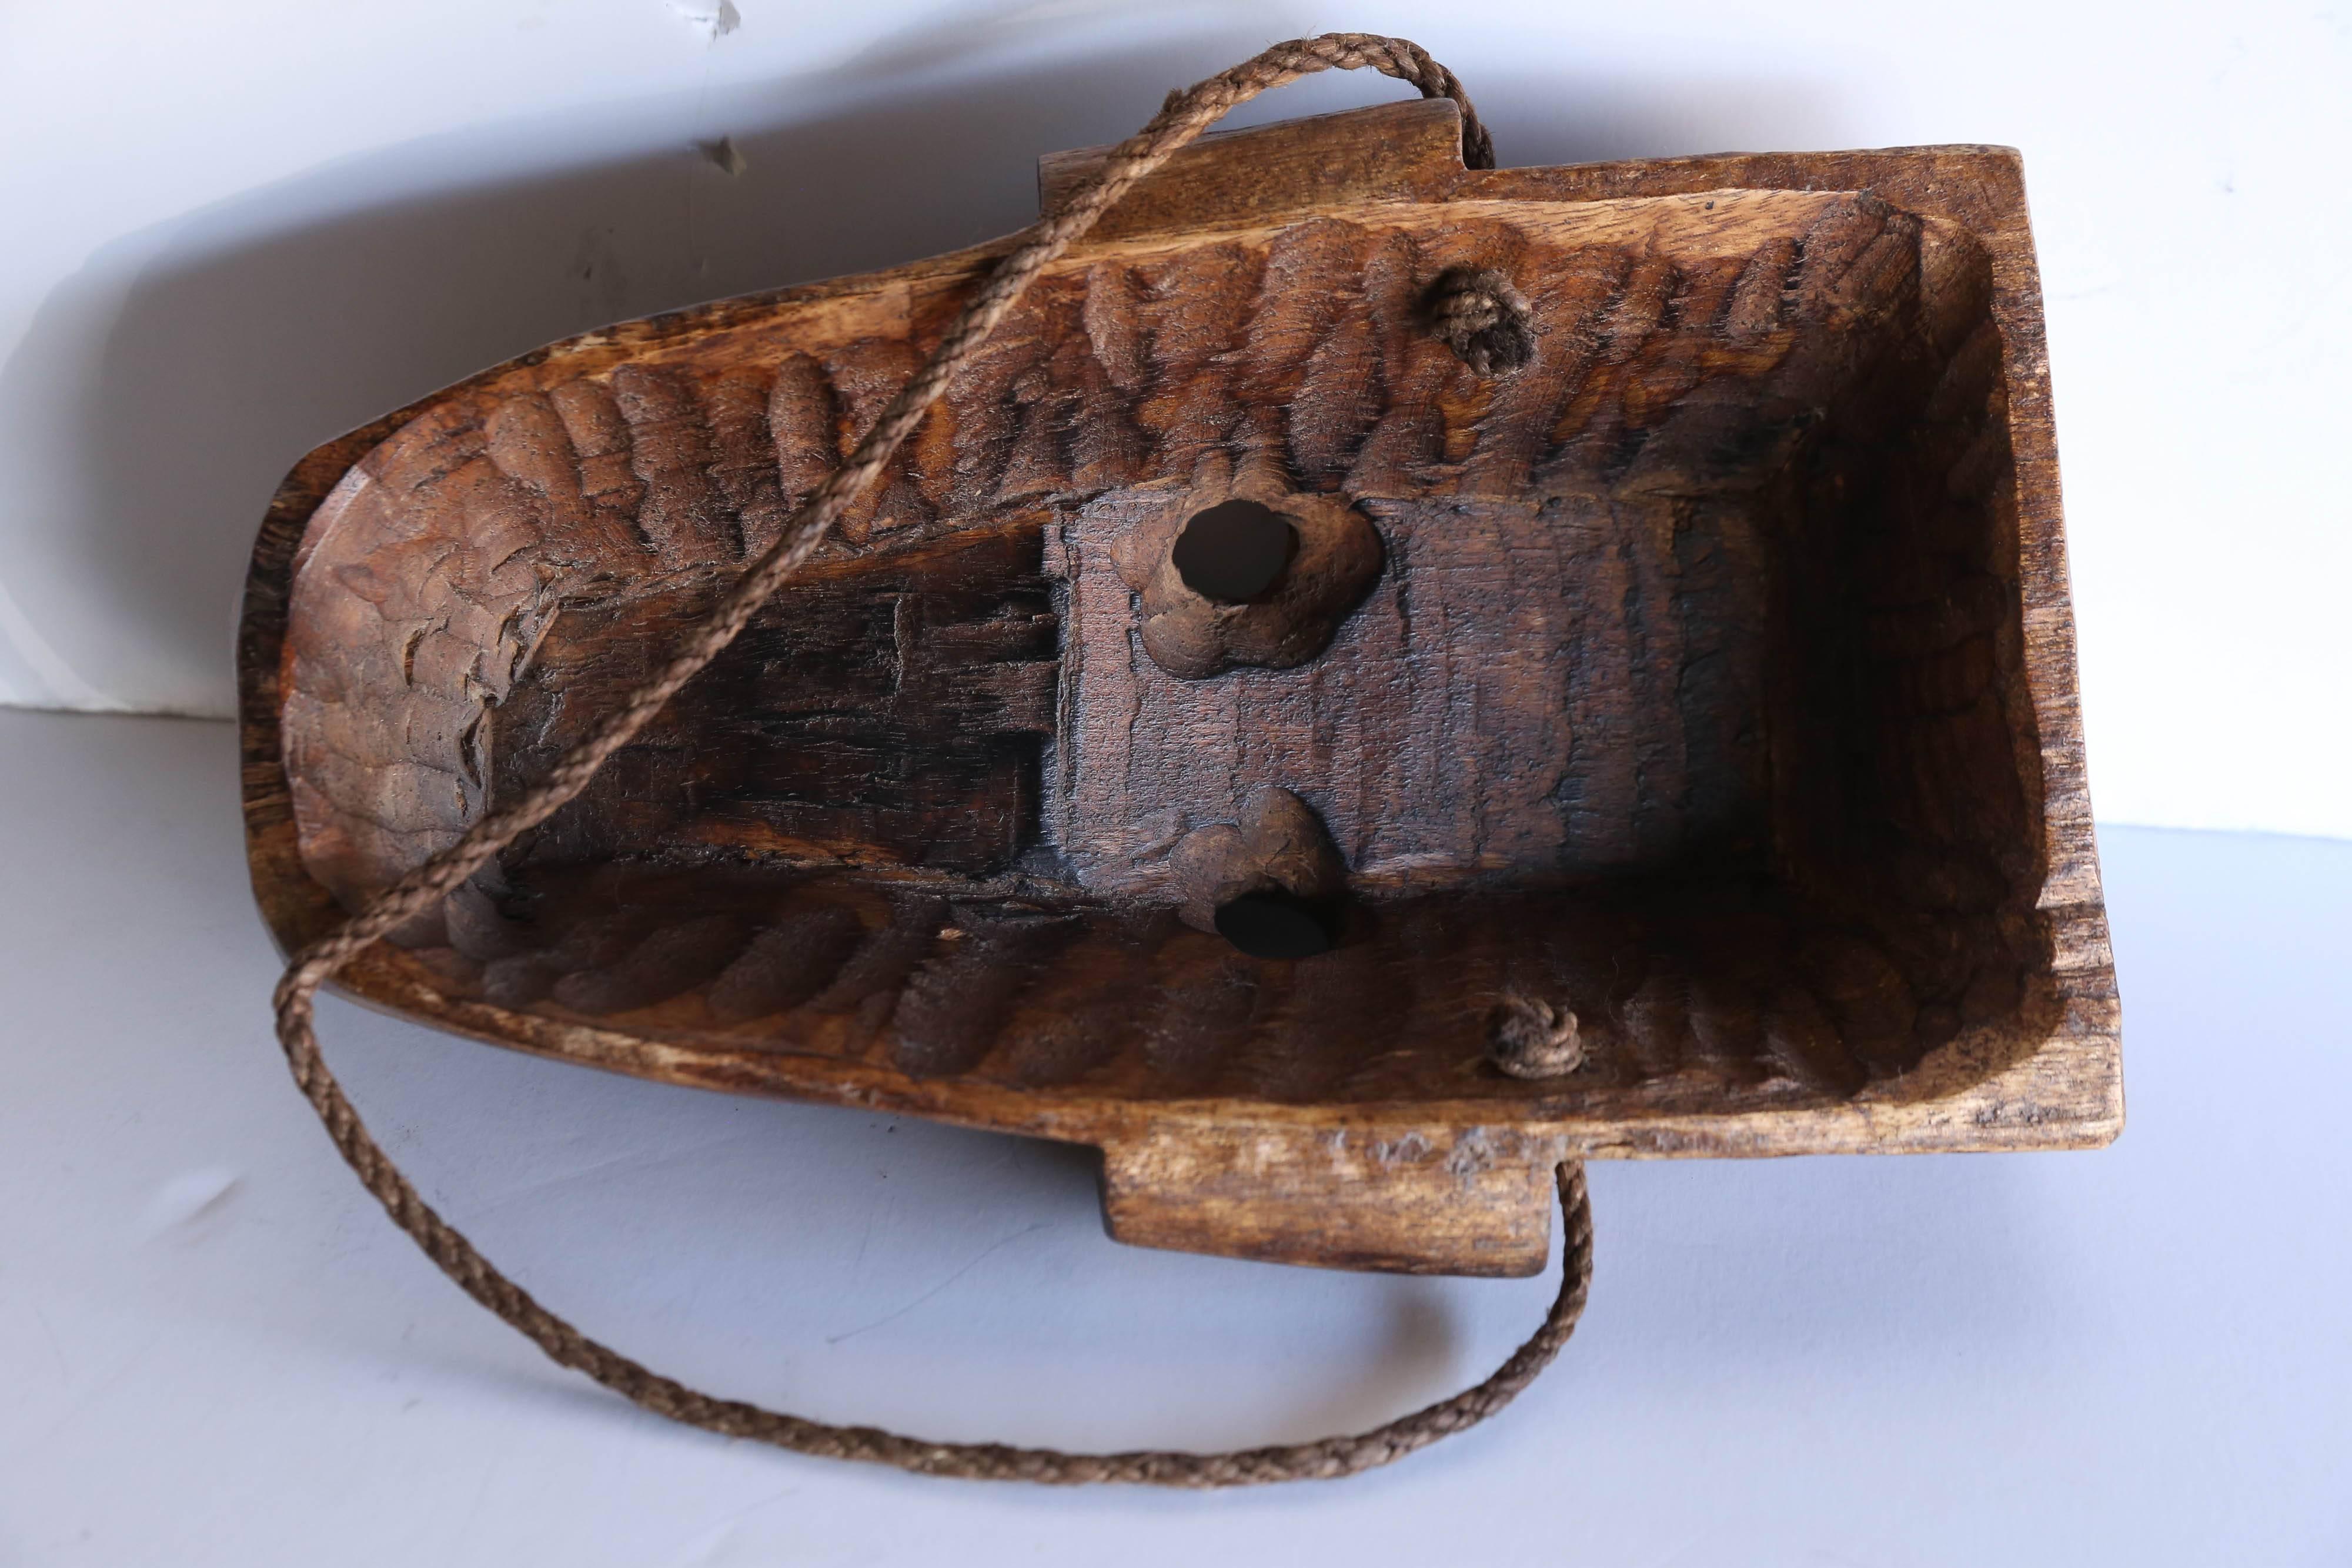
(1716, 683)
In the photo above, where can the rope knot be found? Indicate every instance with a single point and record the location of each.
(1529, 1037)
(1478, 314)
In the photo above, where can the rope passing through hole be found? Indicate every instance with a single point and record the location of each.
(1184, 117)
(1482, 319)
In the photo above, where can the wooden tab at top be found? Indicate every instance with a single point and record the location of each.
(1394, 151)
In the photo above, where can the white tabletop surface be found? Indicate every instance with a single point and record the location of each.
(218, 1351)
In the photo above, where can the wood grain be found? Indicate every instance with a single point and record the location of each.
(1714, 683)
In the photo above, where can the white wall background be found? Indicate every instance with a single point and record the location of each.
(234, 231)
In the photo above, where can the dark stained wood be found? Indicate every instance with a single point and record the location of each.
(1701, 688)
(895, 713)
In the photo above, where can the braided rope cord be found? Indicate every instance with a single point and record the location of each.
(1185, 115)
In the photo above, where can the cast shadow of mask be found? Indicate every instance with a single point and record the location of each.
(256, 329)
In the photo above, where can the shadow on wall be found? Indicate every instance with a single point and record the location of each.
(242, 339)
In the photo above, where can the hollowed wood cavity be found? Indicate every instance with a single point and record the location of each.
(1683, 697)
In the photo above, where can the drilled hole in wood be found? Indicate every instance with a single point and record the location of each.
(1275, 924)
(1234, 552)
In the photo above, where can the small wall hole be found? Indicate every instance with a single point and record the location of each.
(1234, 552)
(1275, 925)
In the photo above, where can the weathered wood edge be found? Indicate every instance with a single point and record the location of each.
(2066, 1093)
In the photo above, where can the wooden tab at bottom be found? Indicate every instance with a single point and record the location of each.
(1477, 1201)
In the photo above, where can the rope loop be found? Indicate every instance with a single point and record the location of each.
(1185, 115)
